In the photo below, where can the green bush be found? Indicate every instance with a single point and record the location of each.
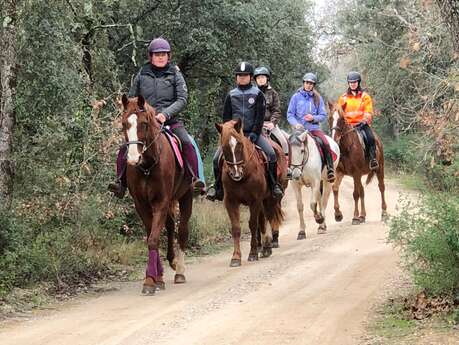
(428, 234)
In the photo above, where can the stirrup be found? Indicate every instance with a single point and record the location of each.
(117, 189)
(331, 176)
(213, 194)
(277, 191)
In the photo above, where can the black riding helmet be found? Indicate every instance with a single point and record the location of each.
(262, 71)
(354, 76)
(244, 68)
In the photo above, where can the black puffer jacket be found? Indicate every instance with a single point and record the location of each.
(163, 88)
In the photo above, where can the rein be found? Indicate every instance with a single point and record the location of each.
(145, 147)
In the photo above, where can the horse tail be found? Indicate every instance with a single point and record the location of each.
(370, 177)
(273, 212)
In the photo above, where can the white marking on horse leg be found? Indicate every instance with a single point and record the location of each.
(180, 260)
(299, 204)
(133, 153)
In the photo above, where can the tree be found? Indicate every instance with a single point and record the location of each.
(7, 100)
(450, 12)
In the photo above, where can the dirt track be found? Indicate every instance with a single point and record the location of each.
(315, 291)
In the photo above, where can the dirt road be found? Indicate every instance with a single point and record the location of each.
(315, 291)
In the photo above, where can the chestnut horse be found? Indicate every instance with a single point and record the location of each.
(244, 182)
(156, 183)
(354, 163)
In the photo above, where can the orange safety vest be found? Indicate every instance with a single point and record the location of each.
(356, 107)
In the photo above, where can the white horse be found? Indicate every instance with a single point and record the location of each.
(308, 170)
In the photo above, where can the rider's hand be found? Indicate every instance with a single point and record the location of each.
(161, 117)
(308, 118)
(269, 126)
(253, 137)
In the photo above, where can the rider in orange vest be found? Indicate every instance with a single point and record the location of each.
(358, 112)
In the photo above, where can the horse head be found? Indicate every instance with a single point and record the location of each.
(336, 121)
(234, 145)
(299, 152)
(141, 129)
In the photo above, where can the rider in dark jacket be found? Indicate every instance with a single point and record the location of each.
(248, 103)
(163, 87)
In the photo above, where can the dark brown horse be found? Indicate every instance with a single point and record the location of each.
(156, 183)
(244, 182)
(353, 162)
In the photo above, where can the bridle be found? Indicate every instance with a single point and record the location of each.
(304, 160)
(145, 147)
(240, 162)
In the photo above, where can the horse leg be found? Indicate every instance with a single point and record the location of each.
(382, 188)
(363, 212)
(170, 227)
(186, 207)
(253, 225)
(234, 215)
(356, 195)
(154, 272)
(324, 202)
(335, 187)
(266, 235)
(316, 196)
(299, 206)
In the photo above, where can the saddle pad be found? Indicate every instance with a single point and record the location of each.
(173, 141)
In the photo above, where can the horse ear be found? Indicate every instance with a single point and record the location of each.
(219, 127)
(303, 136)
(124, 100)
(238, 125)
(141, 102)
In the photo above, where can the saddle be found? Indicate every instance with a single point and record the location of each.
(363, 140)
(176, 145)
(321, 147)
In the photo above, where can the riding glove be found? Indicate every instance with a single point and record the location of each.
(253, 137)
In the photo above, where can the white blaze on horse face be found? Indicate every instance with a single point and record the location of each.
(335, 122)
(133, 156)
(233, 143)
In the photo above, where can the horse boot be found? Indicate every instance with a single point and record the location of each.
(330, 168)
(276, 189)
(373, 162)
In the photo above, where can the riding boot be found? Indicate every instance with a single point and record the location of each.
(373, 162)
(119, 187)
(191, 159)
(215, 191)
(330, 168)
(276, 189)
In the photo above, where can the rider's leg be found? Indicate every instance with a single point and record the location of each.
(370, 142)
(189, 155)
(327, 153)
(215, 191)
(276, 189)
(120, 185)
(280, 137)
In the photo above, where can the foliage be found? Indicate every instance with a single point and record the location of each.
(428, 235)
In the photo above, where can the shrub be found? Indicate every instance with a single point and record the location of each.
(428, 234)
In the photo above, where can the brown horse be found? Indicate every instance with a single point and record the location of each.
(156, 183)
(244, 182)
(354, 163)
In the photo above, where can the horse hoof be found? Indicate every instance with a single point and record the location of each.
(275, 244)
(319, 220)
(179, 279)
(160, 286)
(362, 220)
(301, 235)
(148, 290)
(266, 253)
(259, 249)
(384, 217)
(172, 265)
(235, 263)
(321, 231)
(253, 257)
(338, 217)
(355, 221)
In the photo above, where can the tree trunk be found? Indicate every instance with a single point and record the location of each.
(7, 100)
(450, 12)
